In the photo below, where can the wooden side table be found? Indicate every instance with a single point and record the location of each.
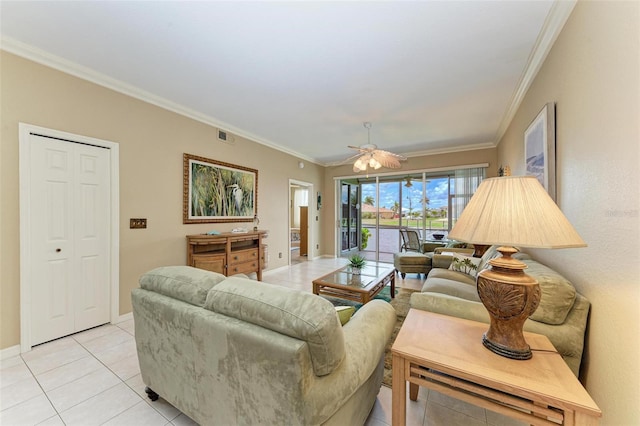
(446, 354)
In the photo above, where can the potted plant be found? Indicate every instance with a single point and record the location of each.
(357, 262)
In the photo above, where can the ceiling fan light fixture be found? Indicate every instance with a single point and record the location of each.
(371, 156)
(373, 163)
(360, 165)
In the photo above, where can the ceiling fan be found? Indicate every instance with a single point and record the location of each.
(370, 156)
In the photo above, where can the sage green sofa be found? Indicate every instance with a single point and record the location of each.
(234, 351)
(561, 315)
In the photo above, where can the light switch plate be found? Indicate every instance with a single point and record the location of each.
(140, 223)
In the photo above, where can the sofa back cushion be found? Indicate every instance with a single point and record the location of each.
(184, 283)
(557, 293)
(295, 313)
(491, 253)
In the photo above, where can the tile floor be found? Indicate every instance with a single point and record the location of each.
(93, 377)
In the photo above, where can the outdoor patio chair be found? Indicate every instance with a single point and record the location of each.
(410, 240)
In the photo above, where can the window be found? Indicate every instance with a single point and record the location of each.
(374, 208)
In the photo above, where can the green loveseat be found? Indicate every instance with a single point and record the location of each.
(561, 315)
(229, 350)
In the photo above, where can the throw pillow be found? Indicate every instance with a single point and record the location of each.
(345, 313)
(465, 264)
(458, 244)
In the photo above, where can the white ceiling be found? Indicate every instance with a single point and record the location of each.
(303, 76)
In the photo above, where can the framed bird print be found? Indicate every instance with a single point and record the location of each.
(214, 191)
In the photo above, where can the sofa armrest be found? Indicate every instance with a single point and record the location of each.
(366, 336)
(371, 326)
(430, 246)
(467, 251)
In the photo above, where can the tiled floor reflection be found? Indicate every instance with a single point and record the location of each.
(93, 378)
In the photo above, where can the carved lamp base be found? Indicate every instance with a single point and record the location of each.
(510, 296)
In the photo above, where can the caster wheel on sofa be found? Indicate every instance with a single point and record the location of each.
(151, 394)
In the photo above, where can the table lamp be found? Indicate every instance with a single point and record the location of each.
(511, 211)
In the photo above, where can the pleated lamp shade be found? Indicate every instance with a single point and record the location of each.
(514, 211)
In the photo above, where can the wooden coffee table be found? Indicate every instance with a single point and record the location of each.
(361, 288)
(446, 354)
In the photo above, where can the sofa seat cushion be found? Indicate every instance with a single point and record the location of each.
(184, 283)
(297, 314)
(462, 290)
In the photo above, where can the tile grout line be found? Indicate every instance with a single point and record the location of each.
(90, 353)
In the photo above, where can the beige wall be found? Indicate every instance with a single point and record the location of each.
(427, 162)
(592, 73)
(151, 141)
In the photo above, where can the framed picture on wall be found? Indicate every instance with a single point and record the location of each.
(540, 148)
(214, 191)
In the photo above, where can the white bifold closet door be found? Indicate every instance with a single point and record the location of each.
(69, 237)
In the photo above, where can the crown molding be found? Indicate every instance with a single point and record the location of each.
(560, 12)
(434, 151)
(445, 150)
(558, 16)
(44, 58)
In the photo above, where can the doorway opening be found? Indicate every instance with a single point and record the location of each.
(300, 223)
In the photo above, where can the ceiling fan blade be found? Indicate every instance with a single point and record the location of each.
(390, 154)
(352, 158)
(357, 148)
(388, 159)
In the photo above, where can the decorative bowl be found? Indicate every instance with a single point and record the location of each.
(438, 236)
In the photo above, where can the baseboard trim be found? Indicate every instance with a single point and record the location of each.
(9, 352)
(12, 351)
(125, 317)
(271, 271)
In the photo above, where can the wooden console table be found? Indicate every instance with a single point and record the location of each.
(446, 354)
(228, 253)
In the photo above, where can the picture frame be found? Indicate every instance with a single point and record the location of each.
(214, 191)
(540, 148)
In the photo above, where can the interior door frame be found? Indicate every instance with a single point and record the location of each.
(25, 130)
(310, 215)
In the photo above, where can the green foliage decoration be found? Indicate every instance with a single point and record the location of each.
(357, 261)
(365, 237)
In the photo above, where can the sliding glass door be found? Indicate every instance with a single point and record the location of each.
(373, 209)
(380, 219)
(350, 217)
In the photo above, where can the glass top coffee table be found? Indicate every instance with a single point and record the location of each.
(361, 288)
